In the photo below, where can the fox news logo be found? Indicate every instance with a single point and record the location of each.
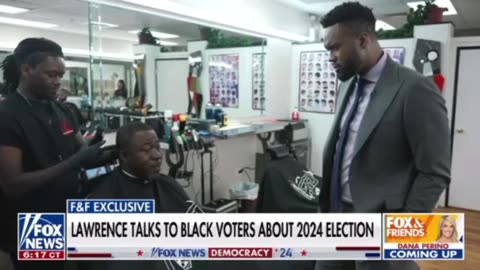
(37, 232)
(405, 227)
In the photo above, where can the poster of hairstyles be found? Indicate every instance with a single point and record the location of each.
(396, 53)
(258, 81)
(318, 83)
(223, 80)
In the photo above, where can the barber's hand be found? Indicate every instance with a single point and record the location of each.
(86, 154)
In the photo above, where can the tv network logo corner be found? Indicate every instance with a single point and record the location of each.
(41, 236)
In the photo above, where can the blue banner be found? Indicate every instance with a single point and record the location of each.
(88, 206)
(438, 254)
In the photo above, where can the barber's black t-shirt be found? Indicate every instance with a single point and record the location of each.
(45, 133)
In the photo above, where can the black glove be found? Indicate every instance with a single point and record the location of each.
(108, 155)
(86, 154)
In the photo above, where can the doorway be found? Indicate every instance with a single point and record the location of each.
(465, 186)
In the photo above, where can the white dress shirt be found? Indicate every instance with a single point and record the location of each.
(372, 77)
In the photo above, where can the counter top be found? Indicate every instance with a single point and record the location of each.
(236, 127)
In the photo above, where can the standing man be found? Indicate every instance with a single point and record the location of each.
(389, 148)
(41, 150)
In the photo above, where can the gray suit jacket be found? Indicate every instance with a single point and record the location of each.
(402, 154)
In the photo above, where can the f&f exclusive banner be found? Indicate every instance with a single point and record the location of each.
(130, 230)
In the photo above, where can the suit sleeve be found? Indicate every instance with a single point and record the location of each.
(427, 129)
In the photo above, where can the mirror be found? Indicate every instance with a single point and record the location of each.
(174, 65)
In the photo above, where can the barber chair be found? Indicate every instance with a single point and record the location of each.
(287, 185)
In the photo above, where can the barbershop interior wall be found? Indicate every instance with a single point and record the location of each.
(320, 123)
(244, 77)
(171, 81)
(278, 78)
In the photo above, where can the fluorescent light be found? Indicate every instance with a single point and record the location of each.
(82, 52)
(383, 25)
(156, 34)
(11, 10)
(168, 43)
(9, 46)
(104, 24)
(441, 3)
(172, 10)
(35, 24)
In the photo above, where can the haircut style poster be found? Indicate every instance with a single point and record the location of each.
(258, 81)
(318, 83)
(223, 80)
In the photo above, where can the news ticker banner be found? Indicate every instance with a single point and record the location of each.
(130, 230)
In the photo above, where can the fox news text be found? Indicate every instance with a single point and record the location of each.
(438, 236)
(41, 236)
(131, 230)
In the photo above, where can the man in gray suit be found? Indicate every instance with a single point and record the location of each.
(389, 148)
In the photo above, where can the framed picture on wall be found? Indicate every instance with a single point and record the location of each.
(396, 53)
(224, 80)
(317, 91)
(258, 81)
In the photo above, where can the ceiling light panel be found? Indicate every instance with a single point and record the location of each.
(110, 25)
(27, 23)
(156, 34)
(12, 10)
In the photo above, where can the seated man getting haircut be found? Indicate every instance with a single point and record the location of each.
(138, 177)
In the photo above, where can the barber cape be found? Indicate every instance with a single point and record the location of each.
(169, 198)
(288, 187)
(168, 194)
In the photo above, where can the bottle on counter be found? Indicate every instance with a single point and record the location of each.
(225, 120)
(295, 114)
(218, 113)
(182, 124)
(168, 125)
(209, 111)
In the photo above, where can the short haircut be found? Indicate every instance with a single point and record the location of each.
(358, 17)
(125, 134)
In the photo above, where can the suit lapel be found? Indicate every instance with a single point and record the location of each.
(382, 96)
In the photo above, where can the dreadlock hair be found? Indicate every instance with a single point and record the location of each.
(30, 51)
(358, 17)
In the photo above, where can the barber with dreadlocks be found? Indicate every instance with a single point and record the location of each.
(42, 152)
